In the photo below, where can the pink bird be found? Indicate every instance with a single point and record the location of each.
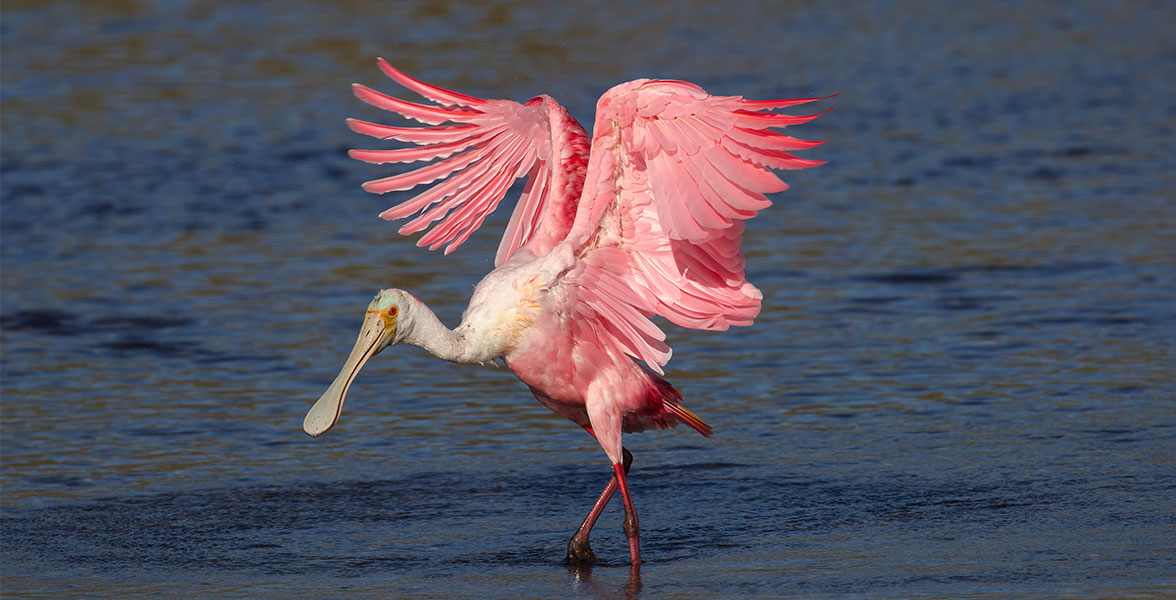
(643, 220)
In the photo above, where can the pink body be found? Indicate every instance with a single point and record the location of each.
(645, 219)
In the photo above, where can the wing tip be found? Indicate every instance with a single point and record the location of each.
(392, 72)
(363, 92)
(374, 187)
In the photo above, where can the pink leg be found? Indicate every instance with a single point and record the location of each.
(579, 552)
(630, 524)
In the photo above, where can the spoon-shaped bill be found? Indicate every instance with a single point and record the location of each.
(373, 337)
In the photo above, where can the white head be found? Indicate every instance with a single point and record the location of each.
(383, 325)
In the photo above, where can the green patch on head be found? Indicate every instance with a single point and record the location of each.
(385, 299)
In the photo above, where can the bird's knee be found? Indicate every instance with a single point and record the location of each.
(630, 526)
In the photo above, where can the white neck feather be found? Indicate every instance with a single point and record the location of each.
(419, 326)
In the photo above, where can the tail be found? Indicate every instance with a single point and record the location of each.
(685, 416)
(659, 408)
(672, 401)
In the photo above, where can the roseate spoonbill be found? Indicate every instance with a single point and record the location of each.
(644, 220)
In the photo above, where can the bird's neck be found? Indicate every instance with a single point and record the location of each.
(425, 331)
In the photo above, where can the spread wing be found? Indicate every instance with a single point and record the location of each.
(480, 147)
(674, 173)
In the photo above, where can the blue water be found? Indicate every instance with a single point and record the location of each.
(961, 386)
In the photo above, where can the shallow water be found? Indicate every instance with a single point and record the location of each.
(961, 384)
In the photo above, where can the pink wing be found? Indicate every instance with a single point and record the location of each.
(674, 172)
(485, 148)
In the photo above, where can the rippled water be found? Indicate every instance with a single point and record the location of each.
(961, 385)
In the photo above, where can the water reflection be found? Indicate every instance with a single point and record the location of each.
(583, 582)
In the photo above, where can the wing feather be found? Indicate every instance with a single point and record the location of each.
(416, 135)
(426, 174)
(451, 186)
(673, 175)
(432, 92)
(477, 148)
(458, 226)
(528, 211)
(407, 155)
(431, 115)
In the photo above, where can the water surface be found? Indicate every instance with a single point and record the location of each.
(961, 384)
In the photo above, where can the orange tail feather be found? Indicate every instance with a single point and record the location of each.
(685, 416)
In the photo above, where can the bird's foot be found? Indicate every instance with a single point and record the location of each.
(580, 553)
